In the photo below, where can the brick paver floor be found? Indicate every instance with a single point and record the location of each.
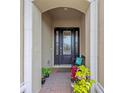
(58, 82)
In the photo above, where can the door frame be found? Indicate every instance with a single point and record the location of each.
(65, 28)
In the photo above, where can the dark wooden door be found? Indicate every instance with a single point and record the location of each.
(66, 45)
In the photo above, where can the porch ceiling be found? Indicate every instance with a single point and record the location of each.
(63, 13)
(44, 5)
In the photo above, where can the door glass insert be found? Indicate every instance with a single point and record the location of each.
(76, 42)
(57, 42)
(66, 42)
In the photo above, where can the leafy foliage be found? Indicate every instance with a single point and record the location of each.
(83, 83)
(46, 71)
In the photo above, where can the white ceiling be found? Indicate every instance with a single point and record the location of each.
(64, 13)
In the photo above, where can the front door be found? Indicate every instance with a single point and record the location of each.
(66, 45)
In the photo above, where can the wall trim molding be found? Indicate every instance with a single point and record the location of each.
(22, 87)
(99, 88)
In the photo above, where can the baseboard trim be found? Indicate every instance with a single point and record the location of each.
(99, 88)
(22, 87)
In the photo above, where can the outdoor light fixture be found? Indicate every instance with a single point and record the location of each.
(65, 8)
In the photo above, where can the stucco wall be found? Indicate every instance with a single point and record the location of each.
(87, 38)
(101, 42)
(36, 50)
(46, 40)
(82, 35)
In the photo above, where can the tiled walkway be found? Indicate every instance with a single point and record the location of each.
(58, 82)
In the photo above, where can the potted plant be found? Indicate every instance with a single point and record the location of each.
(43, 80)
(73, 73)
(46, 72)
(82, 83)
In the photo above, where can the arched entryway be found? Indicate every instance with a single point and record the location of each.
(63, 35)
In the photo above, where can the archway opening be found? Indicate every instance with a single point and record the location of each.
(59, 45)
